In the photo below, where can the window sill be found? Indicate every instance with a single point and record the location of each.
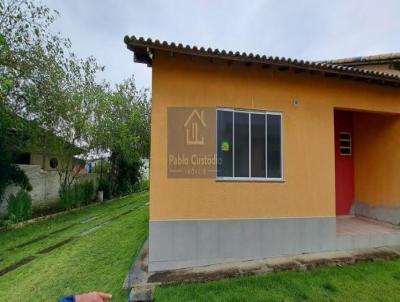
(280, 180)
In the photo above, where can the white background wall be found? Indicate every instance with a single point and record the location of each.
(45, 186)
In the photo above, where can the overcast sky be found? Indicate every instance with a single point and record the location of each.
(312, 29)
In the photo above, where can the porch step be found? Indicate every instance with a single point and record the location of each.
(361, 241)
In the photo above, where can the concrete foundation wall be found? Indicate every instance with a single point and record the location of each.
(189, 243)
(179, 244)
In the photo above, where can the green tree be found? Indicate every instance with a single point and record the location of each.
(46, 84)
(68, 111)
(31, 47)
(12, 140)
(12, 137)
(123, 132)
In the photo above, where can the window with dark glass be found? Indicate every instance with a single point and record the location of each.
(258, 145)
(23, 158)
(225, 143)
(53, 163)
(274, 166)
(241, 144)
(249, 145)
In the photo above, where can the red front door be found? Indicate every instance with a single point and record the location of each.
(344, 164)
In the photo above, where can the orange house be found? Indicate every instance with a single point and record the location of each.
(304, 155)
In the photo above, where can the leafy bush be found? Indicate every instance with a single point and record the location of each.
(4, 222)
(87, 188)
(143, 185)
(76, 195)
(102, 168)
(67, 197)
(19, 206)
(13, 138)
(126, 174)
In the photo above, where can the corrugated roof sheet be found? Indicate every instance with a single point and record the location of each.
(143, 48)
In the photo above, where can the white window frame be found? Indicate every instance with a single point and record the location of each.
(250, 178)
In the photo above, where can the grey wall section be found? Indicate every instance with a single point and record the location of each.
(381, 213)
(187, 243)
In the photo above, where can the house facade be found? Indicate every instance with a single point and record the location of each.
(42, 169)
(297, 145)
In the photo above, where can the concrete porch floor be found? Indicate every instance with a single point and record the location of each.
(359, 232)
(352, 225)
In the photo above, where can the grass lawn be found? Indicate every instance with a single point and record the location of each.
(377, 281)
(101, 258)
(98, 260)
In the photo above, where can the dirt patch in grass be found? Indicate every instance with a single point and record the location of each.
(285, 266)
(342, 260)
(90, 219)
(39, 238)
(63, 229)
(316, 263)
(120, 215)
(55, 246)
(16, 265)
(171, 277)
(374, 256)
(123, 206)
(337, 261)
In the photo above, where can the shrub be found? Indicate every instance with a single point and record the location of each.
(87, 188)
(4, 222)
(143, 185)
(76, 195)
(67, 197)
(19, 206)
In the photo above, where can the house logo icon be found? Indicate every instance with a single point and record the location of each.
(191, 142)
(192, 125)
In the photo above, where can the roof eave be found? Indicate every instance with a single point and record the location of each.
(141, 54)
(144, 49)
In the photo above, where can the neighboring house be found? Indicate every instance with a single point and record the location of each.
(299, 146)
(46, 162)
(96, 164)
(41, 167)
(388, 63)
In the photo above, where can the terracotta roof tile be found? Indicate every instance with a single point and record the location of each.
(334, 67)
